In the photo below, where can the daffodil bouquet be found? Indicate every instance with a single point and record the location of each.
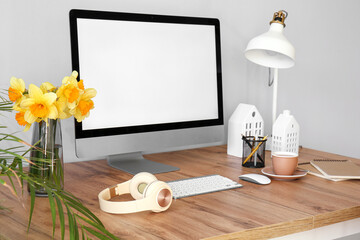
(38, 104)
(44, 106)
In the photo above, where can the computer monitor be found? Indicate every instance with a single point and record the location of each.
(158, 82)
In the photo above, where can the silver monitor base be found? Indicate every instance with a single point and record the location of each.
(134, 163)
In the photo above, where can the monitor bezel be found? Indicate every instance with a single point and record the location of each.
(104, 15)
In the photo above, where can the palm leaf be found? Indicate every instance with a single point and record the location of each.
(32, 203)
(83, 233)
(100, 228)
(11, 165)
(5, 105)
(52, 208)
(76, 228)
(71, 223)
(16, 155)
(74, 203)
(12, 183)
(61, 216)
(95, 233)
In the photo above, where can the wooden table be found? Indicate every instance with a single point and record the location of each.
(251, 212)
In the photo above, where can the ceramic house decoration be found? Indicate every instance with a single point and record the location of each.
(285, 134)
(246, 120)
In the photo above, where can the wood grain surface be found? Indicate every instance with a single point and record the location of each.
(251, 212)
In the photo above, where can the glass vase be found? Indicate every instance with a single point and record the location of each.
(47, 157)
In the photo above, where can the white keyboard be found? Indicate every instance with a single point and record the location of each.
(201, 185)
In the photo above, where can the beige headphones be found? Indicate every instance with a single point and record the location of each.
(148, 192)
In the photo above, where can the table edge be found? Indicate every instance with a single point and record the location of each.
(295, 226)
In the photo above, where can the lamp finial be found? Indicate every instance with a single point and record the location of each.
(279, 17)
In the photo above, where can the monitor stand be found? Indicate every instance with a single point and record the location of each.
(134, 163)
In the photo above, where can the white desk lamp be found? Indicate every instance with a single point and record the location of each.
(272, 50)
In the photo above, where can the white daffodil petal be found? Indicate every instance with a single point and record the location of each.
(27, 127)
(50, 98)
(29, 117)
(65, 80)
(17, 83)
(53, 114)
(72, 105)
(89, 93)
(72, 111)
(35, 92)
(74, 74)
(27, 103)
(46, 86)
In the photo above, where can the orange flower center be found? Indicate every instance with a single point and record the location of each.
(85, 107)
(14, 94)
(81, 84)
(72, 94)
(20, 118)
(39, 110)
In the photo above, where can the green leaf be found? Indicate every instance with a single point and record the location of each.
(76, 228)
(15, 148)
(61, 216)
(20, 166)
(71, 222)
(10, 137)
(82, 233)
(86, 212)
(95, 233)
(32, 195)
(102, 229)
(72, 196)
(12, 153)
(11, 181)
(52, 207)
(15, 163)
(76, 204)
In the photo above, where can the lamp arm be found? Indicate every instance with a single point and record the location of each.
(275, 87)
(271, 78)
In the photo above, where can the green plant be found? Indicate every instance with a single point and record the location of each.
(81, 222)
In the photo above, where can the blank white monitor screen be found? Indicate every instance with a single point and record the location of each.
(153, 74)
(149, 73)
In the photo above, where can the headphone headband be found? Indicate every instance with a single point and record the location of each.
(157, 196)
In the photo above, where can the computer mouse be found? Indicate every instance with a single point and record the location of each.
(255, 178)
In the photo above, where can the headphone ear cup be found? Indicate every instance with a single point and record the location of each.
(139, 182)
(160, 194)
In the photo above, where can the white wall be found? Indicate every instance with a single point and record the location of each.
(321, 90)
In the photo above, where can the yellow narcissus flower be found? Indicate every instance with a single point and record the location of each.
(63, 110)
(16, 105)
(70, 89)
(82, 110)
(47, 87)
(21, 120)
(81, 84)
(39, 105)
(16, 89)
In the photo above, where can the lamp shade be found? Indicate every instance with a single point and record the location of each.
(271, 49)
